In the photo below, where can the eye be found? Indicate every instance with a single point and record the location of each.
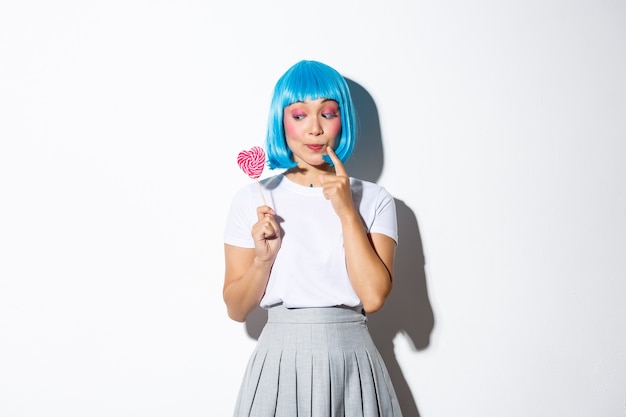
(298, 115)
(330, 114)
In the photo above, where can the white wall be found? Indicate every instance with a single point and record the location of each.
(502, 127)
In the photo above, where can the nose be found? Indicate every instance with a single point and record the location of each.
(316, 127)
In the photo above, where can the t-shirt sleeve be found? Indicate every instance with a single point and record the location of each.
(385, 218)
(239, 221)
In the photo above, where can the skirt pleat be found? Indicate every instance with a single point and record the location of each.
(286, 402)
(337, 370)
(316, 362)
(304, 384)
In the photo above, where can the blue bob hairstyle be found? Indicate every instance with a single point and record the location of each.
(309, 80)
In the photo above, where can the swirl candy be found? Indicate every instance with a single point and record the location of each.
(252, 162)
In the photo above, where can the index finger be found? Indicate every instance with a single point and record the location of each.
(340, 170)
(263, 211)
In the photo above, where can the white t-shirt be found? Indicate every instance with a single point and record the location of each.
(310, 269)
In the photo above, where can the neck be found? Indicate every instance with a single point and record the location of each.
(308, 177)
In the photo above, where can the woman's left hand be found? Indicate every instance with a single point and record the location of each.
(336, 187)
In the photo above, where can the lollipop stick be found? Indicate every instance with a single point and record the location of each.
(261, 191)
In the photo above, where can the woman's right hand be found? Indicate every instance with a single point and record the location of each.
(266, 234)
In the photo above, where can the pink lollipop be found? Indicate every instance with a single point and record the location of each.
(252, 163)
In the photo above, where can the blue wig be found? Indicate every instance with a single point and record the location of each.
(309, 80)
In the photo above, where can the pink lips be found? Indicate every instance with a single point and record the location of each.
(315, 147)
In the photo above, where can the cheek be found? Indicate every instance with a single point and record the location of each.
(290, 127)
(334, 127)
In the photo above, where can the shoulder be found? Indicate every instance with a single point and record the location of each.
(376, 206)
(369, 190)
(242, 194)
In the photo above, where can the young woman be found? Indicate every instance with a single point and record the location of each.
(319, 257)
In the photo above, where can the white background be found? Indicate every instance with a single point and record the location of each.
(501, 132)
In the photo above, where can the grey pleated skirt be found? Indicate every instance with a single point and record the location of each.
(316, 362)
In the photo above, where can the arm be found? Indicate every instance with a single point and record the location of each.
(369, 261)
(369, 258)
(247, 270)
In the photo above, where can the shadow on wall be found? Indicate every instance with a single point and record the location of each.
(407, 310)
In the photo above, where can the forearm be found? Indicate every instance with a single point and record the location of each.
(371, 279)
(242, 294)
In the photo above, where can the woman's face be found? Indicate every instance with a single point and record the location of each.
(311, 126)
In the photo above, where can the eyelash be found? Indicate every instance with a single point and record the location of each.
(328, 115)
